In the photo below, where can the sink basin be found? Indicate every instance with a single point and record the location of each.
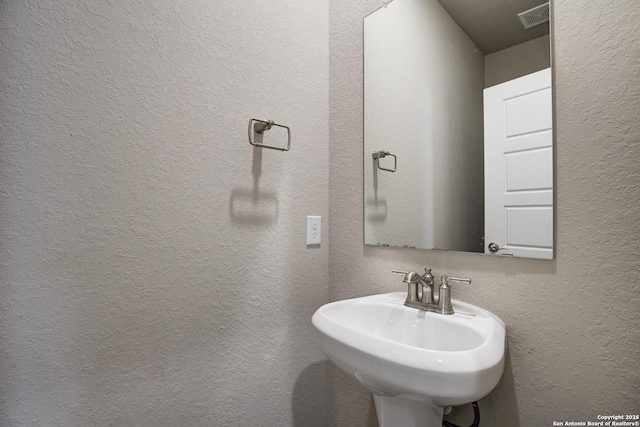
(414, 362)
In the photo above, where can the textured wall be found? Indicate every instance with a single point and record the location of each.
(153, 267)
(421, 111)
(573, 323)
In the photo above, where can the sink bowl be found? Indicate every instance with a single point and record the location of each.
(414, 362)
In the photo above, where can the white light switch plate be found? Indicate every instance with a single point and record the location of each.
(314, 230)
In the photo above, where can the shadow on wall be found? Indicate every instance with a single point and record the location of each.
(252, 206)
(310, 396)
(4, 359)
(502, 401)
(351, 403)
(375, 207)
(372, 420)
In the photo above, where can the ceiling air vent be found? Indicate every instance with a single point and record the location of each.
(536, 16)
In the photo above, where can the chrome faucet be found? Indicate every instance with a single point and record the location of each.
(422, 297)
(423, 294)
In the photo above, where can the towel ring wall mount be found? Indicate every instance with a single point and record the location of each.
(260, 127)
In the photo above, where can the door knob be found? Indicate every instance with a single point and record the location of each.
(493, 247)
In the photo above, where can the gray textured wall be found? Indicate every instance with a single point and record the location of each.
(573, 323)
(153, 266)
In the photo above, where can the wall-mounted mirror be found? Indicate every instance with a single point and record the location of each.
(458, 130)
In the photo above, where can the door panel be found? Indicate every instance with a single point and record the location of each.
(528, 112)
(530, 226)
(529, 170)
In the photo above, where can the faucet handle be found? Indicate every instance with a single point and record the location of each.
(409, 276)
(448, 280)
(444, 296)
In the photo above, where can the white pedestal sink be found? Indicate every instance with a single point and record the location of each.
(415, 363)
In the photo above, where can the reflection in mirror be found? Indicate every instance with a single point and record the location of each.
(458, 127)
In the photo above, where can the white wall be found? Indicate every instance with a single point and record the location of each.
(153, 266)
(429, 114)
(573, 323)
(517, 61)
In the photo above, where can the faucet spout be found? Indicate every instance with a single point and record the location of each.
(418, 294)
